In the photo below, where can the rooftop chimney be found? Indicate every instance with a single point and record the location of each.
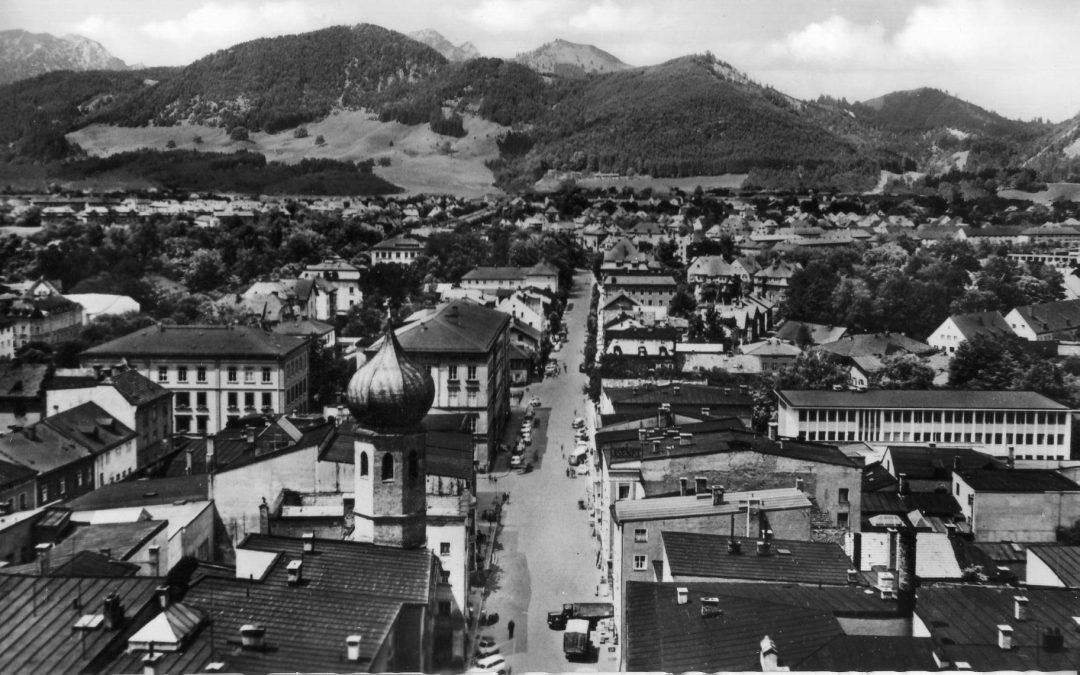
(682, 594)
(264, 517)
(154, 555)
(799, 484)
(210, 454)
(856, 550)
(249, 434)
(1053, 640)
(852, 576)
(150, 663)
(1020, 608)
(770, 656)
(903, 487)
(163, 594)
(711, 607)
(717, 495)
(905, 569)
(252, 636)
(352, 647)
(309, 542)
(295, 570)
(43, 558)
(675, 390)
(1005, 633)
(112, 611)
(1010, 461)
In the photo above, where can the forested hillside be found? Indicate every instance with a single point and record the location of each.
(278, 83)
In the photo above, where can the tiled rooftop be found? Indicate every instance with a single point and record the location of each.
(240, 342)
(920, 399)
(1017, 480)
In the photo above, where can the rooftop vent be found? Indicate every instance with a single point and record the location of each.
(887, 585)
(352, 647)
(252, 636)
(1005, 636)
(682, 594)
(1020, 608)
(295, 571)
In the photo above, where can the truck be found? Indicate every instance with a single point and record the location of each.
(590, 611)
(576, 639)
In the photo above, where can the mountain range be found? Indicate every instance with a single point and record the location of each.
(24, 55)
(563, 107)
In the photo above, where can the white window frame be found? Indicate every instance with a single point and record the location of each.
(641, 562)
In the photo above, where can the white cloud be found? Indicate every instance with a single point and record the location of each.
(608, 16)
(215, 25)
(833, 41)
(517, 16)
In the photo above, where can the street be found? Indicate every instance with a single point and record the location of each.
(547, 552)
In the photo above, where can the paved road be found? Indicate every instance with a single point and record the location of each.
(548, 551)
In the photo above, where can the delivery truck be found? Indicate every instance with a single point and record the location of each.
(576, 639)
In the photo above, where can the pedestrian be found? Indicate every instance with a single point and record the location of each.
(510, 629)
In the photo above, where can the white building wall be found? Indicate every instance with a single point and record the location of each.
(1039, 573)
(238, 493)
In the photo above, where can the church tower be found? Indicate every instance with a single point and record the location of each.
(388, 397)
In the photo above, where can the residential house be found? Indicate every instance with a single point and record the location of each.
(642, 341)
(398, 250)
(1024, 505)
(216, 373)
(1048, 321)
(313, 329)
(87, 427)
(343, 276)
(17, 490)
(51, 319)
(677, 398)
(62, 470)
(137, 402)
(1037, 428)
(815, 333)
(960, 328)
(772, 282)
(7, 338)
(651, 291)
(22, 393)
(772, 354)
(542, 276)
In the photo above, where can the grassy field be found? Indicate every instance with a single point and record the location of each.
(1054, 191)
(731, 181)
(420, 160)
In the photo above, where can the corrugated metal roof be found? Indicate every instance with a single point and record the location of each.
(691, 554)
(1017, 480)
(1064, 561)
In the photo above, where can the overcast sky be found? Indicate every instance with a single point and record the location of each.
(1016, 58)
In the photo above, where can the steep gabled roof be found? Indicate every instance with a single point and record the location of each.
(981, 323)
(1051, 317)
(137, 389)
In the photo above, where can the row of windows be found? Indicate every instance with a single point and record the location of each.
(232, 398)
(452, 373)
(183, 375)
(934, 416)
(939, 437)
(387, 468)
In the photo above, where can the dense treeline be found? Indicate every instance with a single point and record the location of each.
(237, 172)
(896, 288)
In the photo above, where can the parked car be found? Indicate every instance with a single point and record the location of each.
(535, 401)
(527, 437)
(516, 461)
(494, 664)
(485, 646)
(556, 621)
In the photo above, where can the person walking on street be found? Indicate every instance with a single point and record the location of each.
(510, 629)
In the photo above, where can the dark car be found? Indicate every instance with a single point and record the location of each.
(556, 621)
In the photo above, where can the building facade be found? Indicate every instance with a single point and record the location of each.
(215, 373)
(1035, 427)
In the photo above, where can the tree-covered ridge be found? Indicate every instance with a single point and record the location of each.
(677, 119)
(37, 112)
(277, 83)
(926, 109)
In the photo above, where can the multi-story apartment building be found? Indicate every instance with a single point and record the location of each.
(215, 373)
(467, 349)
(1037, 428)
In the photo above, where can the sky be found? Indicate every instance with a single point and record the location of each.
(1015, 58)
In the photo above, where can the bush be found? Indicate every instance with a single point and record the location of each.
(239, 134)
(171, 144)
(197, 140)
(384, 161)
(319, 140)
(301, 132)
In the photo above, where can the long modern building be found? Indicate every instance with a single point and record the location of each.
(1034, 427)
(216, 373)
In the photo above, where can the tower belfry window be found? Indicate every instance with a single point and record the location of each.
(388, 467)
(363, 464)
(414, 465)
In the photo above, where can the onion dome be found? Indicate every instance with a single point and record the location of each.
(389, 391)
